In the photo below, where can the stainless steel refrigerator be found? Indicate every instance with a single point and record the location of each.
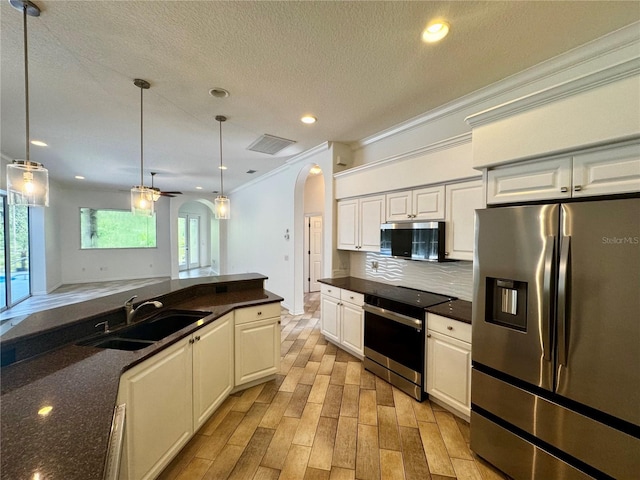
(555, 387)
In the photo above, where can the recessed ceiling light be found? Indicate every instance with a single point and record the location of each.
(79, 177)
(198, 188)
(219, 92)
(309, 119)
(38, 143)
(435, 31)
(222, 167)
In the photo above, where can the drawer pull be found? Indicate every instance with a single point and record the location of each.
(351, 297)
(449, 327)
(259, 313)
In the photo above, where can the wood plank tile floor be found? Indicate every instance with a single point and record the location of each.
(326, 418)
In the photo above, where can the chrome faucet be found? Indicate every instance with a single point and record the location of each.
(131, 312)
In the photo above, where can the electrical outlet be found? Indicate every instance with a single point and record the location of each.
(374, 265)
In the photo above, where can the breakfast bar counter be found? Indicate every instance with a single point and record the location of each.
(57, 407)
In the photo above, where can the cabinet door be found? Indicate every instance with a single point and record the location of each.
(539, 180)
(614, 170)
(371, 216)
(212, 367)
(462, 200)
(399, 206)
(428, 203)
(257, 350)
(330, 317)
(449, 371)
(348, 224)
(352, 327)
(155, 431)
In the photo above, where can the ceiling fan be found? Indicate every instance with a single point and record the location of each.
(158, 193)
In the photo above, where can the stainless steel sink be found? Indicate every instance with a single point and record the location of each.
(145, 333)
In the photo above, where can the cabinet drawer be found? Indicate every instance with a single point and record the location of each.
(330, 290)
(352, 297)
(450, 327)
(259, 312)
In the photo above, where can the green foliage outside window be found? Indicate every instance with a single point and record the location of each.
(116, 229)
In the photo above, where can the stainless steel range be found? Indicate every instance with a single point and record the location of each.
(394, 336)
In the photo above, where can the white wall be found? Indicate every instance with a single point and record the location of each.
(80, 266)
(263, 210)
(314, 194)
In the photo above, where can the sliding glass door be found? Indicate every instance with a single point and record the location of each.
(188, 241)
(15, 270)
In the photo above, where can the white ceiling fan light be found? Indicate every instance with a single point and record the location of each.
(142, 201)
(27, 181)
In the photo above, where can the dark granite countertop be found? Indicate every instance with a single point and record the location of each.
(457, 309)
(81, 384)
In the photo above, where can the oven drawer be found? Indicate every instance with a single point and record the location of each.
(352, 297)
(450, 327)
(330, 291)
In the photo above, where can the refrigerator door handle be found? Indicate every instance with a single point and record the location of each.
(547, 307)
(563, 300)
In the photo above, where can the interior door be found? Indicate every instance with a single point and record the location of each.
(598, 305)
(188, 241)
(315, 252)
(514, 264)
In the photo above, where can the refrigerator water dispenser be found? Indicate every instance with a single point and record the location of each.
(507, 303)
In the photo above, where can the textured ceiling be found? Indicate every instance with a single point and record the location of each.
(360, 67)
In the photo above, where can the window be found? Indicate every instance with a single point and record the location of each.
(100, 228)
(15, 271)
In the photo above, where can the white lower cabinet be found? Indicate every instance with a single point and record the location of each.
(449, 363)
(342, 318)
(170, 395)
(257, 343)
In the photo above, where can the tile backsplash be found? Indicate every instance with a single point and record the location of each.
(448, 278)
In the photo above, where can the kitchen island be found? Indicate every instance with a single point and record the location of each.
(80, 383)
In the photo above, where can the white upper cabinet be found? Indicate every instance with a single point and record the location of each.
(359, 222)
(419, 204)
(462, 201)
(541, 180)
(603, 172)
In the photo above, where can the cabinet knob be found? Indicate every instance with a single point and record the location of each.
(564, 189)
(449, 327)
(192, 341)
(279, 322)
(577, 188)
(259, 313)
(428, 335)
(198, 338)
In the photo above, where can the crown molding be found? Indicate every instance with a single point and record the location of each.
(288, 163)
(552, 94)
(428, 149)
(600, 47)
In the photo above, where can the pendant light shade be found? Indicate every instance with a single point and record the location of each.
(222, 204)
(27, 181)
(142, 202)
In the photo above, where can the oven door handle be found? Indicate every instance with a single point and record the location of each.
(393, 316)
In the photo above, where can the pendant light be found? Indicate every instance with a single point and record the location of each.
(222, 205)
(27, 181)
(142, 197)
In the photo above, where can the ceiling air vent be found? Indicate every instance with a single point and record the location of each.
(270, 144)
(251, 171)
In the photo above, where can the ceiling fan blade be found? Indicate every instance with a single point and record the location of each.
(166, 194)
(172, 193)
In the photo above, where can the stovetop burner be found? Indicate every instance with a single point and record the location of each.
(405, 300)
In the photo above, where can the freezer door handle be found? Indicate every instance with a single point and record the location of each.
(547, 307)
(563, 299)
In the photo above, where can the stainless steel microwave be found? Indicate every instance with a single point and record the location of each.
(413, 241)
